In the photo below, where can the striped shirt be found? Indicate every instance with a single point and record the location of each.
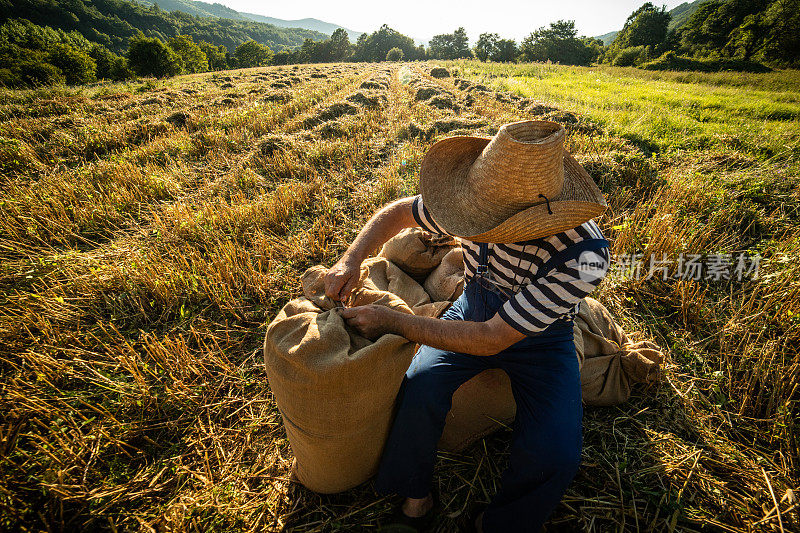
(537, 301)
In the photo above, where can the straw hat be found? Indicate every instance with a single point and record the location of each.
(519, 185)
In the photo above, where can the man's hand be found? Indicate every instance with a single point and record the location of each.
(371, 321)
(342, 278)
(461, 336)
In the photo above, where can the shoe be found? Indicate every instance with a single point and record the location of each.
(402, 523)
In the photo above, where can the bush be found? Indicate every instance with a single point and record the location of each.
(26, 68)
(104, 59)
(151, 57)
(628, 57)
(215, 55)
(110, 66)
(119, 70)
(192, 57)
(36, 74)
(395, 54)
(28, 35)
(8, 78)
(284, 57)
(672, 61)
(252, 54)
(558, 43)
(76, 66)
(26, 47)
(11, 54)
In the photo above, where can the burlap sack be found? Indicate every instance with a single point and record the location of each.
(610, 364)
(480, 406)
(380, 279)
(417, 252)
(446, 282)
(334, 388)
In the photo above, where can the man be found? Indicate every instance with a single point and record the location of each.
(522, 207)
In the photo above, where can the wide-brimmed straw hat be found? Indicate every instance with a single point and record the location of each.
(518, 185)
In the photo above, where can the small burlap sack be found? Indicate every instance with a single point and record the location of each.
(334, 388)
(610, 364)
(446, 282)
(417, 252)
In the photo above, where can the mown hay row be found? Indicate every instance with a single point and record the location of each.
(39, 218)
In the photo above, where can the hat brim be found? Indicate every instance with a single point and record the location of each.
(442, 178)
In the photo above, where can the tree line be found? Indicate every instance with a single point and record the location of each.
(725, 31)
(720, 34)
(32, 55)
(721, 31)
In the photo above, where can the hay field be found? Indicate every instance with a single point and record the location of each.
(150, 230)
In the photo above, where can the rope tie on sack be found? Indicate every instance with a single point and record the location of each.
(549, 211)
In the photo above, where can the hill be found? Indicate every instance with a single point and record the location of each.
(113, 22)
(204, 9)
(680, 14)
(608, 38)
(307, 23)
(198, 9)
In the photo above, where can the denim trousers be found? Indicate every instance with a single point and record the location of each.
(547, 432)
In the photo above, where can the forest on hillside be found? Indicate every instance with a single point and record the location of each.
(113, 23)
(764, 31)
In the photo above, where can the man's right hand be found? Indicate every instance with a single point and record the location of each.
(342, 278)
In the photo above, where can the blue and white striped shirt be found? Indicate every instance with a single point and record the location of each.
(538, 301)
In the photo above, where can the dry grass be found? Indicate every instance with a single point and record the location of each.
(148, 232)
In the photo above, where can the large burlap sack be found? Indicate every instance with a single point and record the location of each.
(417, 252)
(610, 364)
(480, 406)
(335, 389)
(380, 279)
(446, 282)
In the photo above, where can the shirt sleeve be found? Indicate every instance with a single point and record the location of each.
(424, 218)
(553, 296)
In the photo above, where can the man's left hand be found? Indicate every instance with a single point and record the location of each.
(371, 321)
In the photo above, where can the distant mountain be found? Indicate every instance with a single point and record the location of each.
(204, 9)
(680, 14)
(308, 24)
(608, 38)
(198, 9)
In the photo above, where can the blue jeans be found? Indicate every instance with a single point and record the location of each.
(546, 442)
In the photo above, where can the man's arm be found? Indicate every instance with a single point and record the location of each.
(342, 278)
(476, 338)
(529, 312)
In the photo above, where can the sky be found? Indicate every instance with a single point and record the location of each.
(422, 19)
